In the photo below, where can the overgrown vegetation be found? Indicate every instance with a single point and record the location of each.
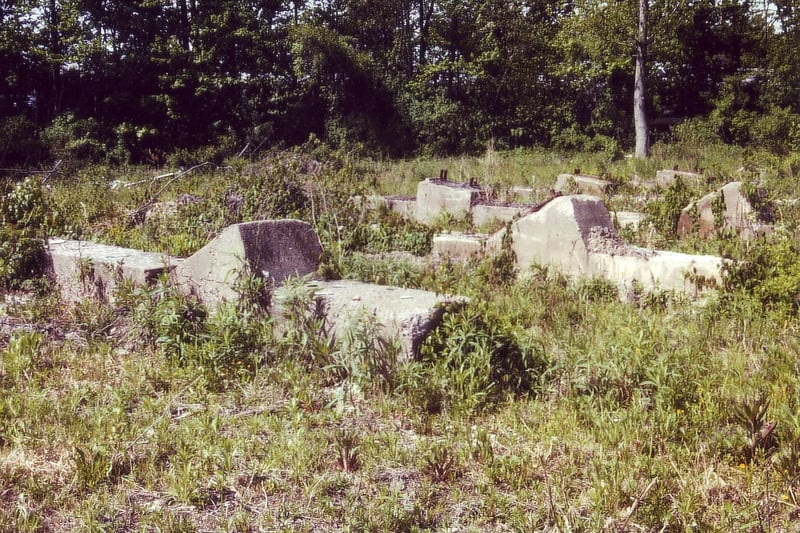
(542, 404)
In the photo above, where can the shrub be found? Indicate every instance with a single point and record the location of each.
(663, 214)
(389, 232)
(76, 138)
(19, 141)
(770, 272)
(478, 357)
(571, 140)
(22, 232)
(172, 321)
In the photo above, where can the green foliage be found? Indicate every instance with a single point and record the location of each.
(172, 321)
(75, 138)
(19, 141)
(346, 444)
(478, 359)
(569, 140)
(441, 464)
(664, 413)
(664, 213)
(23, 228)
(234, 345)
(751, 418)
(389, 232)
(227, 345)
(770, 272)
(305, 335)
(270, 190)
(501, 269)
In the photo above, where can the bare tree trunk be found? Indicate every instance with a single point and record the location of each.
(639, 114)
(425, 13)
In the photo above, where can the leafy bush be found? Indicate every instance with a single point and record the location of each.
(76, 138)
(305, 335)
(225, 345)
(571, 140)
(664, 213)
(477, 357)
(501, 270)
(271, 189)
(19, 141)
(365, 357)
(770, 272)
(172, 321)
(389, 232)
(383, 271)
(22, 232)
(695, 133)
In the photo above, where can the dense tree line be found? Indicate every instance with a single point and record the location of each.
(136, 80)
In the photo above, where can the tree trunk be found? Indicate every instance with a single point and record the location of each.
(425, 12)
(639, 114)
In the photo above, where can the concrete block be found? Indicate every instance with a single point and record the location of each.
(524, 193)
(628, 219)
(84, 269)
(435, 196)
(459, 246)
(408, 315)
(486, 213)
(656, 270)
(559, 232)
(405, 207)
(576, 235)
(276, 249)
(727, 206)
(572, 184)
(665, 178)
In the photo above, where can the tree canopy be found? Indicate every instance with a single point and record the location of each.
(138, 80)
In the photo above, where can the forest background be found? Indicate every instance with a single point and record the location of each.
(154, 81)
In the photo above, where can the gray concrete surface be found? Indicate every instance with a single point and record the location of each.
(572, 184)
(275, 249)
(459, 246)
(485, 213)
(84, 269)
(665, 178)
(628, 219)
(576, 234)
(408, 315)
(435, 196)
(734, 210)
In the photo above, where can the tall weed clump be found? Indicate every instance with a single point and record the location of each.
(476, 357)
(227, 344)
(664, 213)
(23, 228)
(769, 272)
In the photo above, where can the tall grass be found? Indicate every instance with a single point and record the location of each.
(545, 404)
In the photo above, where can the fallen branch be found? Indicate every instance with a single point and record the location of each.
(49, 172)
(138, 212)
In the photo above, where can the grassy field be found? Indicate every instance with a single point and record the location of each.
(544, 405)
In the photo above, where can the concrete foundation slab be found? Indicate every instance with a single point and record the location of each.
(729, 208)
(405, 207)
(276, 249)
(435, 196)
(576, 184)
(576, 234)
(459, 246)
(485, 213)
(628, 219)
(84, 269)
(665, 178)
(408, 315)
